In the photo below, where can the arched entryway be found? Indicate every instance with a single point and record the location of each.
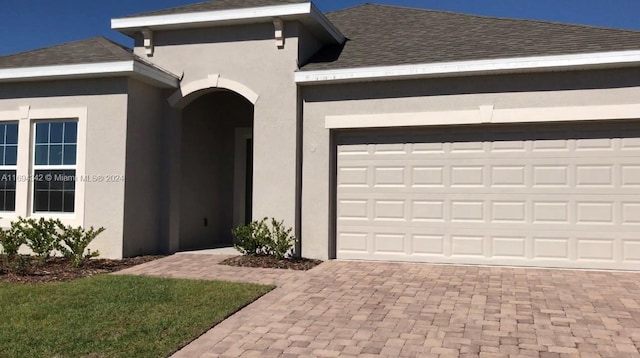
(216, 176)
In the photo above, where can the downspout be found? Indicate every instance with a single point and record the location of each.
(299, 158)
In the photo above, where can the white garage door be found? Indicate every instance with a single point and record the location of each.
(556, 196)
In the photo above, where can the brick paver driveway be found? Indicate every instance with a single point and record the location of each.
(404, 310)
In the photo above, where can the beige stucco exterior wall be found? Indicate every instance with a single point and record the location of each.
(106, 104)
(506, 91)
(248, 55)
(146, 185)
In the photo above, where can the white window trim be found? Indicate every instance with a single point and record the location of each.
(10, 167)
(18, 115)
(34, 167)
(26, 118)
(80, 114)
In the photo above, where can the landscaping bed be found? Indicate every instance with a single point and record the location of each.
(267, 244)
(272, 262)
(32, 270)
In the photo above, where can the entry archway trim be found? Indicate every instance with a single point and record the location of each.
(181, 97)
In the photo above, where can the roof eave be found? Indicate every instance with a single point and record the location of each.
(598, 60)
(304, 12)
(141, 71)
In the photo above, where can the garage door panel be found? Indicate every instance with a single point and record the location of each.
(498, 176)
(630, 175)
(630, 144)
(631, 251)
(503, 211)
(630, 212)
(529, 198)
(549, 245)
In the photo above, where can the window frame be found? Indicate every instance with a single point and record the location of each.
(26, 116)
(78, 114)
(35, 167)
(14, 168)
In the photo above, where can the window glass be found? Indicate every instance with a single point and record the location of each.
(55, 153)
(8, 162)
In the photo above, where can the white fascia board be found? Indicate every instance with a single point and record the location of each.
(104, 69)
(327, 25)
(462, 68)
(48, 72)
(205, 17)
(147, 72)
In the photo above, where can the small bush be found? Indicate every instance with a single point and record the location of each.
(41, 236)
(251, 239)
(74, 243)
(257, 238)
(281, 241)
(18, 265)
(11, 241)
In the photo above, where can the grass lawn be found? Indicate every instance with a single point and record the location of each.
(114, 316)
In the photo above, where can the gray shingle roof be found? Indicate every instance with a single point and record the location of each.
(93, 50)
(382, 35)
(218, 5)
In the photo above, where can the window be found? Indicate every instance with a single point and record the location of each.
(8, 165)
(54, 169)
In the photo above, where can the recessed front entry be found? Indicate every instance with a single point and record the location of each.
(545, 195)
(243, 177)
(216, 175)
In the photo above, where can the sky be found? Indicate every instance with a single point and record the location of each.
(32, 24)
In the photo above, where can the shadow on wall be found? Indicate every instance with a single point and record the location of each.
(539, 82)
(207, 176)
(64, 88)
(251, 32)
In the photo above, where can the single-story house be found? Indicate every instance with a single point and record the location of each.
(376, 132)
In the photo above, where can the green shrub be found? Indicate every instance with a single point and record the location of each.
(11, 262)
(251, 239)
(41, 236)
(11, 241)
(18, 265)
(257, 238)
(281, 241)
(74, 242)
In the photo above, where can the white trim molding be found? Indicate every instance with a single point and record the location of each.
(131, 25)
(477, 67)
(21, 113)
(485, 115)
(182, 97)
(26, 116)
(135, 69)
(81, 114)
(327, 25)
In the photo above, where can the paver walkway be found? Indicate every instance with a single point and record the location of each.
(405, 310)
